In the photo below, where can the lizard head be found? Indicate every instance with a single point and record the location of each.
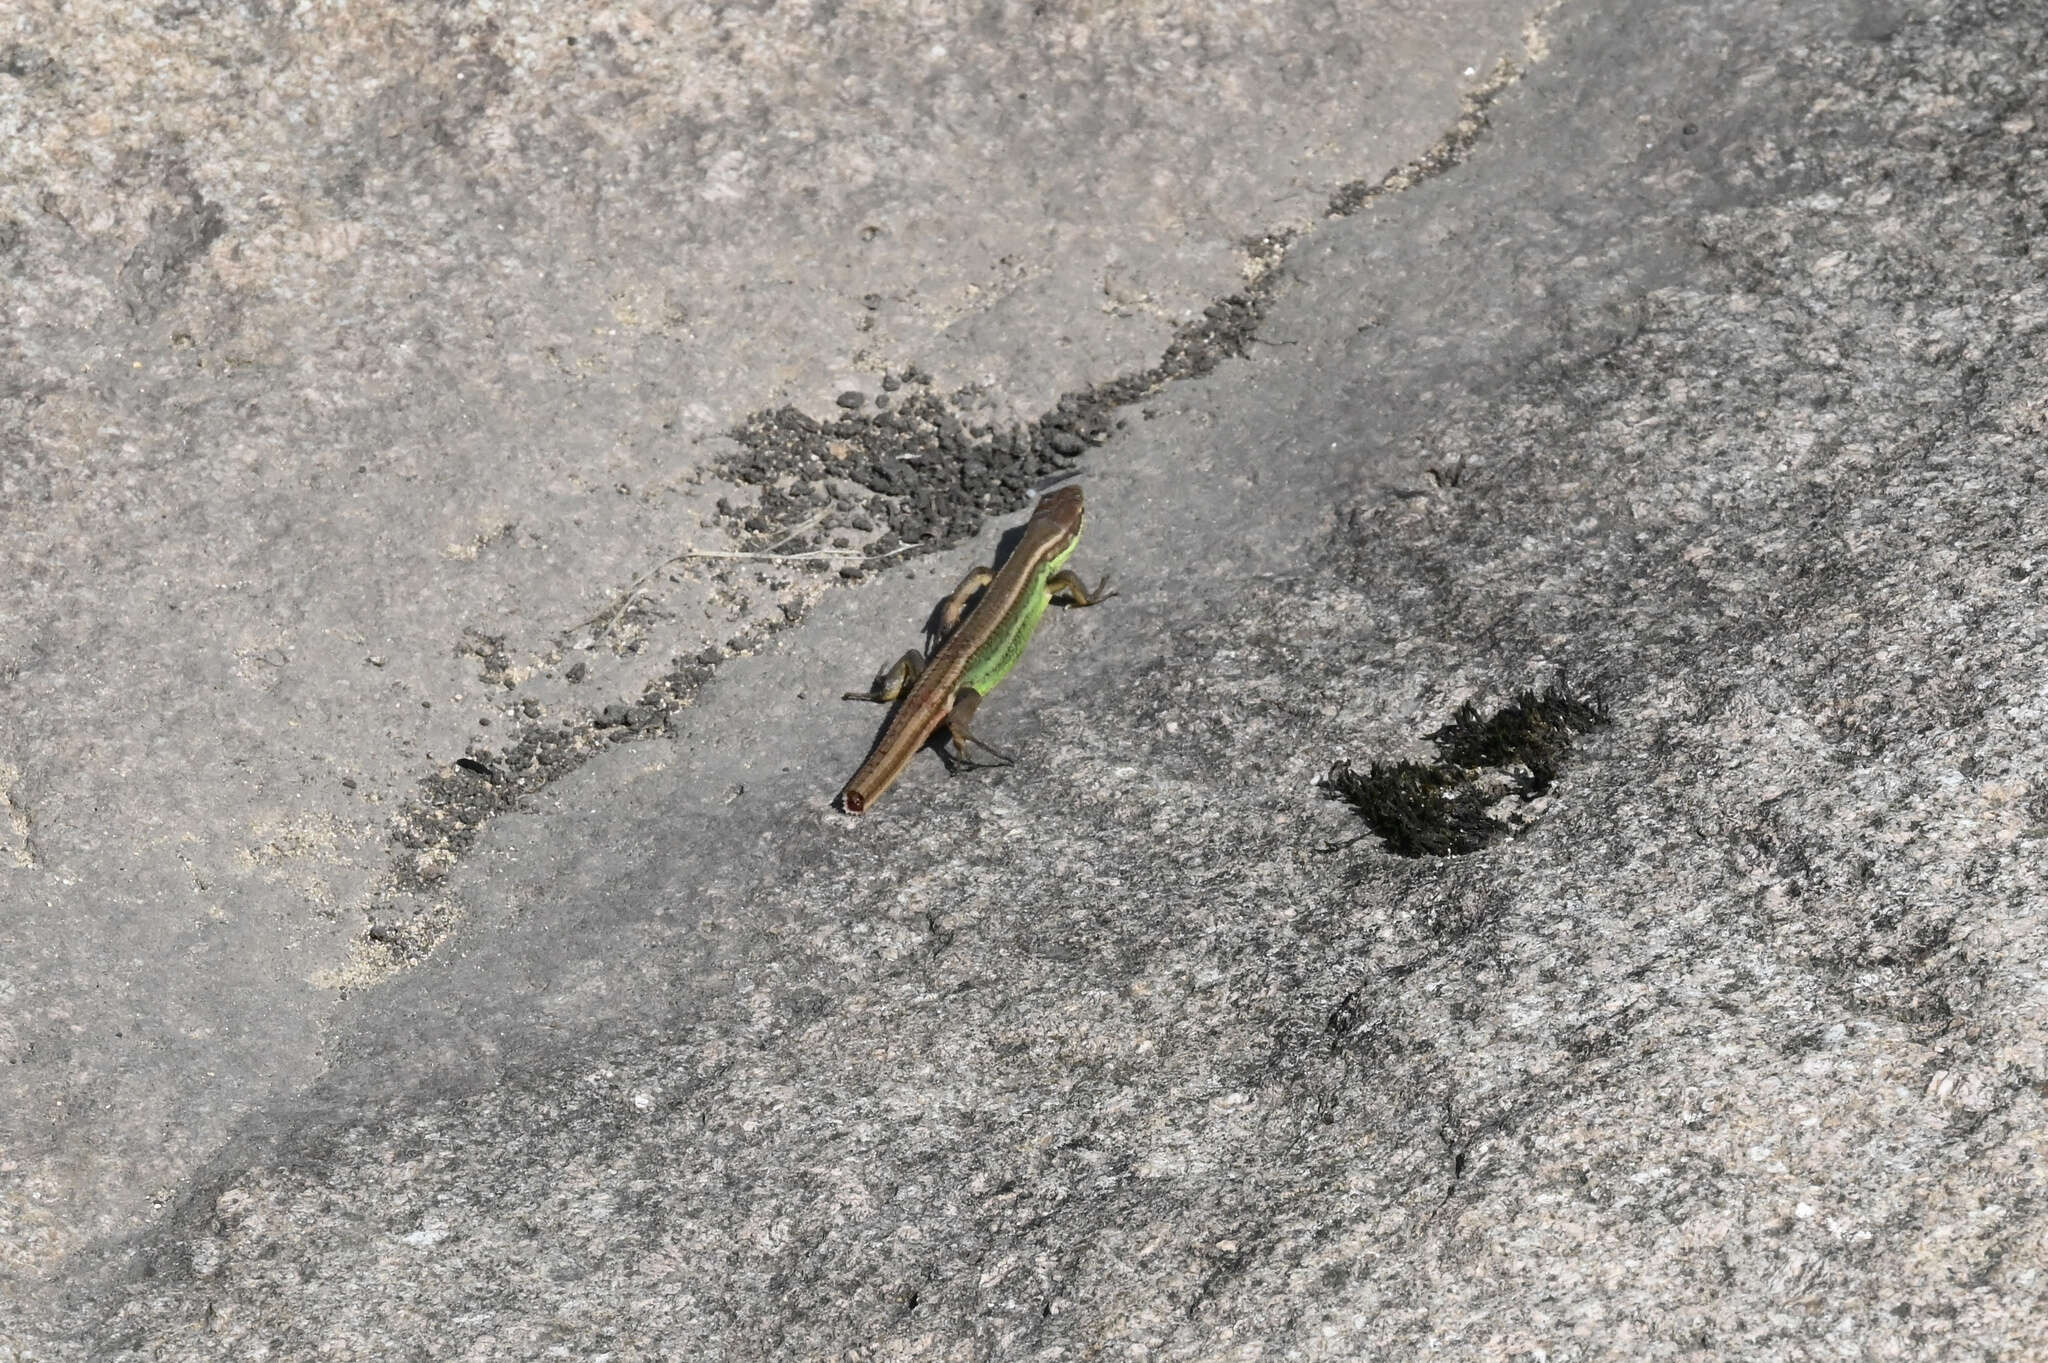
(1061, 507)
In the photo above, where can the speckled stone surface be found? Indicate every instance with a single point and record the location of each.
(1711, 384)
(360, 371)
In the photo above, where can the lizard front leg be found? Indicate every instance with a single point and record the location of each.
(1064, 588)
(956, 605)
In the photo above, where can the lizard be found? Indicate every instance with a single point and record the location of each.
(977, 651)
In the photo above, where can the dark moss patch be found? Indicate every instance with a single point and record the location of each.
(1444, 808)
(1418, 809)
(1531, 732)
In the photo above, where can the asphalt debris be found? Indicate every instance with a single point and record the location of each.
(447, 810)
(926, 469)
(923, 467)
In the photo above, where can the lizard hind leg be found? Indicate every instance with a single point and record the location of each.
(965, 702)
(892, 681)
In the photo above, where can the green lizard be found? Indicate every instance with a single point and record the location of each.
(977, 652)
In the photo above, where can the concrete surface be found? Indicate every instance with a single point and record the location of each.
(1705, 376)
(358, 363)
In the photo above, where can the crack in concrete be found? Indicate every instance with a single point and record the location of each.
(920, 469)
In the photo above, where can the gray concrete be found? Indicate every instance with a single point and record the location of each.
(1725, 343)
(354, 360)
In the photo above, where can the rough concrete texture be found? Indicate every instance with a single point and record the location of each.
(358, 366)
(1710, 385)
